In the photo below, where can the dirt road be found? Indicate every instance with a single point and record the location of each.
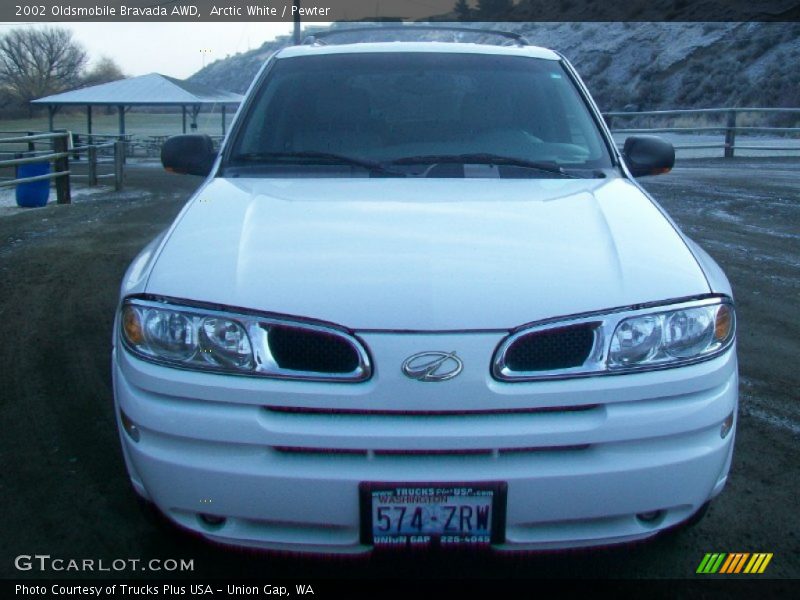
(62, 482)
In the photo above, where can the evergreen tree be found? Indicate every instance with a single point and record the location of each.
(462, 10)
(494, 8)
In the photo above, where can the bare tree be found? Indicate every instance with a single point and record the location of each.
(38, 62)
(104, 71)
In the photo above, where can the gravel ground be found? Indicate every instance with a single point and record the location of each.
(62, 480)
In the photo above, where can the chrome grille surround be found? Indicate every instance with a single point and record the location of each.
(605, 323)
(257, 326)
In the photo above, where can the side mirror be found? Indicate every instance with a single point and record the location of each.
(648, 155)
(188, 154)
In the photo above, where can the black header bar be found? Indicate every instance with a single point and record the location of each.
(311, 11)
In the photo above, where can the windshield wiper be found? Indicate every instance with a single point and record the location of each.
(313, 157)
(482, 159)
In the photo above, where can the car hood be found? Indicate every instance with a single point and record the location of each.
(424, 254)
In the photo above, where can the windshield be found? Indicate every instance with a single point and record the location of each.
(418, 114)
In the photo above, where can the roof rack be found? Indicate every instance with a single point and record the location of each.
(317, 38)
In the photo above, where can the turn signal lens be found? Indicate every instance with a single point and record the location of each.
(129, 426)
(132, 325)
(723, 325)
(727, 425)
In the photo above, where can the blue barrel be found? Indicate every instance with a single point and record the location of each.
(35, 193)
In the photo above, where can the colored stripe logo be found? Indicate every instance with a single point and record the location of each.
(734, 562)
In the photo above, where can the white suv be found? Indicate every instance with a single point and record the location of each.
(421, 300)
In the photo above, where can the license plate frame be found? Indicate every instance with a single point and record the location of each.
(472, 494)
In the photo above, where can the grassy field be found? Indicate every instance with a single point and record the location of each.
(136, 123)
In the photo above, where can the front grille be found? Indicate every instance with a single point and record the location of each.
(551, 349)
(424, 414)
(483, 452)
(313, 351)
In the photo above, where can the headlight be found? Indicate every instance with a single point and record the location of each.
(225, 342)
(688, 333)
(195, 337)
(654, 337)
(635, 340)
(671, 337)
(169, 334)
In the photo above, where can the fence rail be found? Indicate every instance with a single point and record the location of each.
(59, 153)
(729, 129)
(33, 159)
(63, 144)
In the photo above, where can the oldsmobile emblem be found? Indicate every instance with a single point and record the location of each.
(432, 366)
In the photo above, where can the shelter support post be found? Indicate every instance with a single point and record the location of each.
(61, 165)
(119, 164)
(92, 162)
(223, 120)
(121, 112)
(183, 116)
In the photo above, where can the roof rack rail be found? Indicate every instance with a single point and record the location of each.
(318, 38)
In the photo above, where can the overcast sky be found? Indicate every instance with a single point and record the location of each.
(169, 48)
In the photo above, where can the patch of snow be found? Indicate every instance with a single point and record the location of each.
(722, 215)
(8, 197)
(780, 422)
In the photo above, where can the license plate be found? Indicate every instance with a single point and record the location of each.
(445, 515)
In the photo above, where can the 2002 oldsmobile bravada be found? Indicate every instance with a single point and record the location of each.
(421, 299)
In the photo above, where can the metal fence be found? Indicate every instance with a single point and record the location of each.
(149, 146)
(58, 148)
(137, 146)
(728, 129)
(104, 150)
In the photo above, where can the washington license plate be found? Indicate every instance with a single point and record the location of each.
(432, 514)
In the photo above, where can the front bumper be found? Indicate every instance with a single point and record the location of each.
(282, 460)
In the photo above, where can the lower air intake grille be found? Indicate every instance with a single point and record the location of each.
(311, 351)
(552, 349)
